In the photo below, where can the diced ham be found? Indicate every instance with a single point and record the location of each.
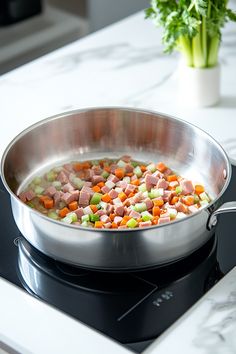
(96, 179)
(105, 189)
(84, 198)
(112, 178)
(104, 218)
(117, 219)
(193, 209)
(22, 197)
(113, 167)
(109, 209)
(122, 184)
(134, 214)
(117, 201)
(162, 183)
(122, 227)
(88, 174)
(97, 169)
(181, 207)
(57, 198)
(87, 189)
(70, 197)
(62, 177)
(129, 189)
(100, 212)
(158, 174)
(118, 189)
(147, 173)
(129, 168)
(107, 225)
(113, 194)
(168, 172)
(126, 158)
(79, 212)
(119, 210)
(29, 195)
(87, 184)
(138, 197)
(145, 223)
(68, 187)
(150, 181)
(50, 191)
(186, 186)
(110, 184)
(68, 167)
(163, 220)
(148, 203)
(173, 184)
(88, 210)
(167, 196)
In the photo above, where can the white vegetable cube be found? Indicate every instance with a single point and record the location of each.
(172, 212)
(204, 196)
(110, 184)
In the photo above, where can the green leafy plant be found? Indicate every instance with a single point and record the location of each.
(192, 26)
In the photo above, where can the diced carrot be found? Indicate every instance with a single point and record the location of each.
(171, 178)
(48, 203)
(42, 198)
(63, 212)
(188, 200)
(174, 200)
(127, 217)
(106, 198)
(158, 202)
(120, 173)
(107, 168)
(77, 166)
(161, 167)
(96, 189)
(101, 184)
(73, 205)
(136, 182)
(114, 225)
(129, 174)
(139, 220)
(112, 216)
(86, 165)
(143, 168)
(101, 163)
(131, 195)
(94, 208)
(155, 220)
(199, 189)
(156, 211)
(122, 196)
(98, 224)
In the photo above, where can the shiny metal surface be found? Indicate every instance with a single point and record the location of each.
(111, 132)
(229, 207)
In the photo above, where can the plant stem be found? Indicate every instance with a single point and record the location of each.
(186, 49)
(198, 59)
(204, 40)
(213, 51)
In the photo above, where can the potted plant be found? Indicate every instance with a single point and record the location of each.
(193, 27)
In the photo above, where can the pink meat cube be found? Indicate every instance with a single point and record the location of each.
(112, 178)
(150, 181)
(148, 203)
(181, 207)
(96, 179)
(162, 183)
(164, 220)
(62, 177)
(129, 168)
(187, 186)
(79, 212)
(100, 212)
(104, 218)
(84, 198)
(119, 210)
(117, 219)
(134, 214)
(129, 189)
(113, 194)
(68, 187)
(107, 225)
(29, 195)
(105, 189)
(145, 223)
(57, 198)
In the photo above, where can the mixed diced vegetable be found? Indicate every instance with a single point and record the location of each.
(114, 194)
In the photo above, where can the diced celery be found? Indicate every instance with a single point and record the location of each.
(85, 218)
(51, 176)
(31, 205)
(172, 212)
(53, 215)
(96, 198)
(137, 171)
(203, 203)
(95, 162)
(134, 163)
(132, 223)
(58, 169)
(78, 182)
(94, 217)
(126, 179)
(196, 198)
(155, 193)
(178, 190)
(38, 190)
(142, 187)
(105, 174)
(151, 167)
(146, 216)
(37, 180)
(103, 204)
(145, 194)
(57, 185)
(67, 219)
(84, 224)
(204, 196)
(121, 163)
(139, 207)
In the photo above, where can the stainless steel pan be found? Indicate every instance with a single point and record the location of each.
(110, 132)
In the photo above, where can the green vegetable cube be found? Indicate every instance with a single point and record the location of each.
(151, 167)
(146, 216)
(85, 218)
(38, 190)
(132, 223)
(94, 217)
(139, 207)
(51, 176)
(137, 171)
(96, 198)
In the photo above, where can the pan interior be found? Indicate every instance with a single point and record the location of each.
(112, 132)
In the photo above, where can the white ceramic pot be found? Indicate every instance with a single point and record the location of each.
(198, 87)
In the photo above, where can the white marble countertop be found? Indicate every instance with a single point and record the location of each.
(122, 65)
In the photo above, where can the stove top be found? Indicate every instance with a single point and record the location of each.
(131, 308)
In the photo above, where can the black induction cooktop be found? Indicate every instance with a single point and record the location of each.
(132, 308)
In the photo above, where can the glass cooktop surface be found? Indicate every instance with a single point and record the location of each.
(131, 308)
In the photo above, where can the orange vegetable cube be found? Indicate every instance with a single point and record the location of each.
(94, 208)
(161, 167)
(120, 173)
(73, 205)
(63, 212)
(171, 178)
(122, 196)
(199, 189)
(101, 184)
(48, 203)
(156, 211)
(106, 198)
(98, 224)
(96, 189)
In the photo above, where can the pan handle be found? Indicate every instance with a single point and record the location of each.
(228, 207)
